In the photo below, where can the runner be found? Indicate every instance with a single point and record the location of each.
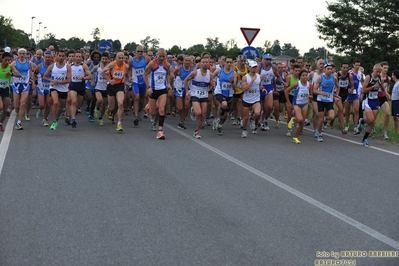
(395, 99)
(77, 89)
(371, 103)
(225, 79)
(43, 88)
(157, 80)
(21, 87)
(182, 102)
(236, 105)
(59, 75)
(6, 72)
(115, 73)
(101, 90)
(301, 94)
(251, 86)
(198, 93)
(345, 82)
(384, 98)
(324, 88)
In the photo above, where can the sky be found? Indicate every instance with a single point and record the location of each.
(174, 22)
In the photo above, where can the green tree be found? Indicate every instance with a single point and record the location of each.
(96, 33)
(290, 50)
(9, 36)
(267, 47)
(131, 46)
(367, 30)
(74, 43)
(176, 50)
(212, 44)
(150, 44)
(198, 48)
(276, 48)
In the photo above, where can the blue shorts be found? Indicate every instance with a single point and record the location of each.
(352, 97)
(139, 89)
(395, 108)
(180, 92)
(18, 88)
(268, 89)
(43, 92)
(373, 104)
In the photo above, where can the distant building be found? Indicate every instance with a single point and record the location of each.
(282, 59)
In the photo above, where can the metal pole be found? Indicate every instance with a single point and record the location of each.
(31, 31)
(38, 41)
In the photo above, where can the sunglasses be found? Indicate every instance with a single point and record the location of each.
(307, 65)
(139, 51)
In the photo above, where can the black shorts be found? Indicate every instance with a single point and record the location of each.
(395, 108)
(156, 93)
(78, 91)
(112, 90)
(200, 100)
(382, 100)
(5, 92)
(103, 93)
(245, 104)
(280, 97)
(238, 95)
(220, 98)
(344, 96)
(322, 106)
(61, 94)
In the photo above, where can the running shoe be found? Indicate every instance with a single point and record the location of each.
(365, 143)
(73, 123)
(160, 135)
(255, 131)
(235, 122)
(119, 127)
(53, 126)
(26, 117)
(359, 127)
(289, 133)
(153, 126)
(252, 124)
(39, 113)
(18, 126)
(346, 128)
(68, 120)
(181, 125)
(307, 123)
(290, 124)
(45, 122)
(315, 133)
(296, 141)
(192, 116)
(108, 114)
(244, 134)
(100, 122)
(219, 129)
(344, 132)
(320, 138)
(79, 111)
(136, 121)
(277, 124)
(91, 119)
(385, 135)
(1, 127)
(196, 135)
(96, 113)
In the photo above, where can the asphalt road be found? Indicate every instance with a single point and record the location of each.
(92, 196)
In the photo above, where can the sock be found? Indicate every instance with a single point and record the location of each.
(161, 120)
(366, 135)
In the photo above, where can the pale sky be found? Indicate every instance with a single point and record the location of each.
(178, 22)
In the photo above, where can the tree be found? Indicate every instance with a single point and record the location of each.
(96, 33)
(267, 46)
(290, 50)
(10, 36)
(131, 46)
(150, 44)
(176, 50)
(366, 30)
(212, 44)
(276, 48)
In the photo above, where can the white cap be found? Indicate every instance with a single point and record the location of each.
(252, 63)
(7, 49)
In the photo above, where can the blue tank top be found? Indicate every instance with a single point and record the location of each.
(225, 85)
(37, 62)
(23, 69)
(183, 74)
(43, 84)
(94, 75)
(327, 85)
(138, 70)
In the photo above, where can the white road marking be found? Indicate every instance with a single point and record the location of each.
(364, 228)
(5, 141)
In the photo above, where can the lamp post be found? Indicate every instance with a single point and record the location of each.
(37, 37)
(31, 31)
(44, 36)
(39, 33)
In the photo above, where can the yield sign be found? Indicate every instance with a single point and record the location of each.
(249, 34)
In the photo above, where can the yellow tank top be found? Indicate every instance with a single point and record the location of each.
(240, 75)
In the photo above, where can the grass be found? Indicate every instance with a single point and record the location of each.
(379, 126)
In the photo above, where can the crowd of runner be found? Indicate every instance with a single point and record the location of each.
(246, 91)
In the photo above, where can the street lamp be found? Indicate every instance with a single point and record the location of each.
(31, 31)
(44, 32)
(39, 33)
(37, 37)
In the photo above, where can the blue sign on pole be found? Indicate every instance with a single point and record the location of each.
(250, 52)
(104, 46)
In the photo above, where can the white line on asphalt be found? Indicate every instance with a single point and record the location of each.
(371, 232)
(5, 141)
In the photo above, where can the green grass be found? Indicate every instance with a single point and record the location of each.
(379, 126)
